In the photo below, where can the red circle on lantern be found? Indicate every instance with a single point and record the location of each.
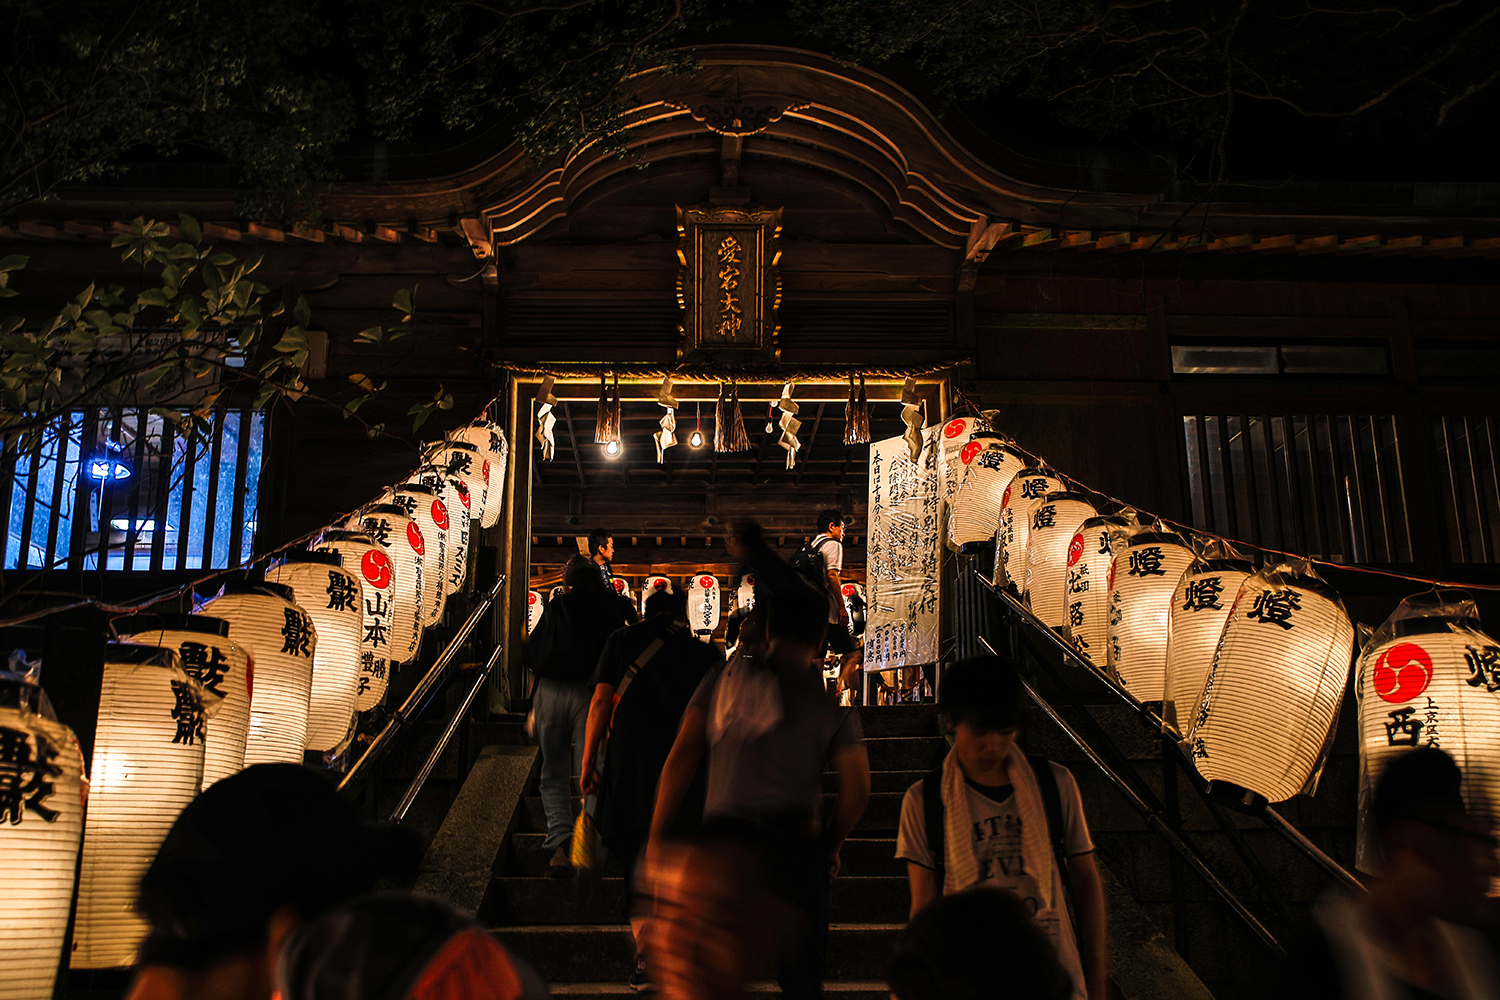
(968, 451)
(848, 590)
(750, 579)
(463, 493)
(658, 585)
(1075, 549)
(1005, 497)
(376, 566)
(1402, 672)
(955, 428)
(619, 585)
(414, 536)
(705, 582)
(249, 675)
(440, 515)
(485, 469)
(531, 597)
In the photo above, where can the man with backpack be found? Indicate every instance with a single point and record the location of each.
(820, 562)
(994, 817)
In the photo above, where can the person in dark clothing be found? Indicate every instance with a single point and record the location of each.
(601, 551)
(1417, 933)
(768, 728)
(562, 653)
(652, 669)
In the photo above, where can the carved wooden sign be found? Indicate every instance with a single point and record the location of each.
(729, 285)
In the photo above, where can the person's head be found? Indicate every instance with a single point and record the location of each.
(796, 616)
(662, 603)
(1439, 857)
(979, 702)
(982, 942)
(831, 523)
(245, 863)
(601, 546)
(580, 573)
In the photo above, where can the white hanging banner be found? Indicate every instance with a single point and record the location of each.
(904, 552)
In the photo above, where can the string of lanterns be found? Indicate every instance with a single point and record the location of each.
(270, 667)
(1185, 623)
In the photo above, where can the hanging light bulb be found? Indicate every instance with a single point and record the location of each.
(697, 439)
(770, 414)
(612, 449)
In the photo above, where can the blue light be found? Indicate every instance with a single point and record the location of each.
(102, 467)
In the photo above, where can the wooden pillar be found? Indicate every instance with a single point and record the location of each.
(515, 541)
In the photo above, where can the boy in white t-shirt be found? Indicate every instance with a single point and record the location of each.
(993, 817)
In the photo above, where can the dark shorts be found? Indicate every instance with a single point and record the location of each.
(839, 640)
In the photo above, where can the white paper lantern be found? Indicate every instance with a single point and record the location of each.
(463, 461)
(221, 665)
(331, 597)
(41, 825)
(703, 606)
(1091, 554)
(654, 584)
(1429, 677)
(280, 639)
(950, 466)
(452, 516)
(623, 588)
(557, 592)
(421, 504)
(989, 466)
(1142, 580)
(854, 603)
(148, 765)
(534, 608)
(388, 526)
(376, 572)
(1200, 607)
(494, 451)
(1055, 520)
(1013, 525)
(1262, 726)
(744, 595)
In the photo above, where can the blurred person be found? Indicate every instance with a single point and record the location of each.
(563, 652)
(994, 818)
(645, 677)
(401, 946)
(246, 863)
(768, 728)
(1416, 935)
(975, 943)
(827, 551)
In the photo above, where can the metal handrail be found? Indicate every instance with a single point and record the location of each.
(1154, 819)
(458, 715)
(1266, 814)
(414, 704)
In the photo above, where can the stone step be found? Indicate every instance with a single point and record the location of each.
(856, 989)
(883, 812)
(880, 781)
(899, 720)
(906, 753)
(586, 953)
(531, 901)
(861, 857)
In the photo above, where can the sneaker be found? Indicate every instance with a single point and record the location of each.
(638, 978)
(561, 865)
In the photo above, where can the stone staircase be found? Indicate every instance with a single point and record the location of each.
(586, 951)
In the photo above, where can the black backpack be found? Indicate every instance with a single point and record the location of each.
(808, 563)
(1046, 782)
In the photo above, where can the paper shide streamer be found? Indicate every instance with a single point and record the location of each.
(789, 425)
(729, 422)
(857, 426)
(666, 437)
(545, 418)
(607, 418)
(912, 415)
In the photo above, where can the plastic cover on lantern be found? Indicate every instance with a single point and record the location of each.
(494, 450)
(41, 826)
(279, 638)
(1200, 607)
(389, 527)
(148, 765)
(703, 606)
(209, 654)
(1261, 730)
(534, 608)
(1013, 527)
(990, 463)
(1428, 676)
(331, 597)
(421, 503)
(1142, 580)
(1055, 520)
(376, 572)
(1091, 553)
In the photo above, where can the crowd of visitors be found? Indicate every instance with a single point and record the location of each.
(705, 777)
